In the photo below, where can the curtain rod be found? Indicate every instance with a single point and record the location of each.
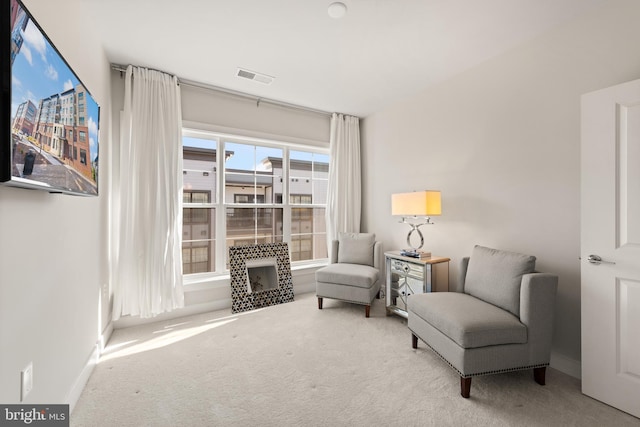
(257, 99)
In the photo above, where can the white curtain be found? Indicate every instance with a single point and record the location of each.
(344, 192)
(146, 251)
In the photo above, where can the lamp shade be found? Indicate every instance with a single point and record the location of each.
(418, 203)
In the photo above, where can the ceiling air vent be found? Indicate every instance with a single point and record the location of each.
(257, 77)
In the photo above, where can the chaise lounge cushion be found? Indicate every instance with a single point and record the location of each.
(495, 276)
(466, 320)
(361, 276)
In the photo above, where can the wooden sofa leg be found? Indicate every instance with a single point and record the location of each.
(539, 374)
(414, 341)
(319, 303)
(465, 387)
(367, 310)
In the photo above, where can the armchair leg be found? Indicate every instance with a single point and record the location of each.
(465, 387)
(414, 341)
(539, 374)
(319, 303)
(367, 310)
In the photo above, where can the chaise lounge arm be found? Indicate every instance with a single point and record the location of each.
(537, 299)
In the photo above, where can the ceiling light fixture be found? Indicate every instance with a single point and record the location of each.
(337, 10)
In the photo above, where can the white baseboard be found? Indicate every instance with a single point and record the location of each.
(126, 322)
(303, 289)
(566, 364)
(304, 283)
(81, 381)
(104, 338)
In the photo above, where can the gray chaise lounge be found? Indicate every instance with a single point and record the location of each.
(499, 320)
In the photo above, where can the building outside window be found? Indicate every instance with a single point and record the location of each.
(256, 193)
(250, 179)
(199, 209)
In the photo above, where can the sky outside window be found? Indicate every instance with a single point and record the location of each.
(249, 157)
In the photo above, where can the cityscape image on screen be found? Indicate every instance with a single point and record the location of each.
(54, 119)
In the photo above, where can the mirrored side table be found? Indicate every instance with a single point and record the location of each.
(407, 276)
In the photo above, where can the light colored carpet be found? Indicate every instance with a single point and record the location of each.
(295, 365)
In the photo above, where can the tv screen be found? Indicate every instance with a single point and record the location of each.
(49, 119)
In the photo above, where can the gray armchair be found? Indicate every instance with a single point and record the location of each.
(499, 320)
(354, 273)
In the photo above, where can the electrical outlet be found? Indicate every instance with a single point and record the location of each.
(26, 378)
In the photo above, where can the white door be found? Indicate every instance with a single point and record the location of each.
(610, 229)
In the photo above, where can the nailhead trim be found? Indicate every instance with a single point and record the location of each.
(499, 371)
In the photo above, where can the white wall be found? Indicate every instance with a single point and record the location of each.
(232, 113)
(52, 258)
(502, 143)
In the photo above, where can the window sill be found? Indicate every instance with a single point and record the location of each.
(206, 282)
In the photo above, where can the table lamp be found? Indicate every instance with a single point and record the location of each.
(419, 204)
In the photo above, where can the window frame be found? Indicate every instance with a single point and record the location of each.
(219, 206)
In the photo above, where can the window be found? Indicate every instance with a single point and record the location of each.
(197, 235)
(83, 136)
(199, 198)
(309, 177)
(300, 199)
(253, 175)
(258, 192)
(247, 198)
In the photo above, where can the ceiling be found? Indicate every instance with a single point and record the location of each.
(380, 52)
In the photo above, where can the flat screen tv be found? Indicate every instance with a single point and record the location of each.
(48, 119)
